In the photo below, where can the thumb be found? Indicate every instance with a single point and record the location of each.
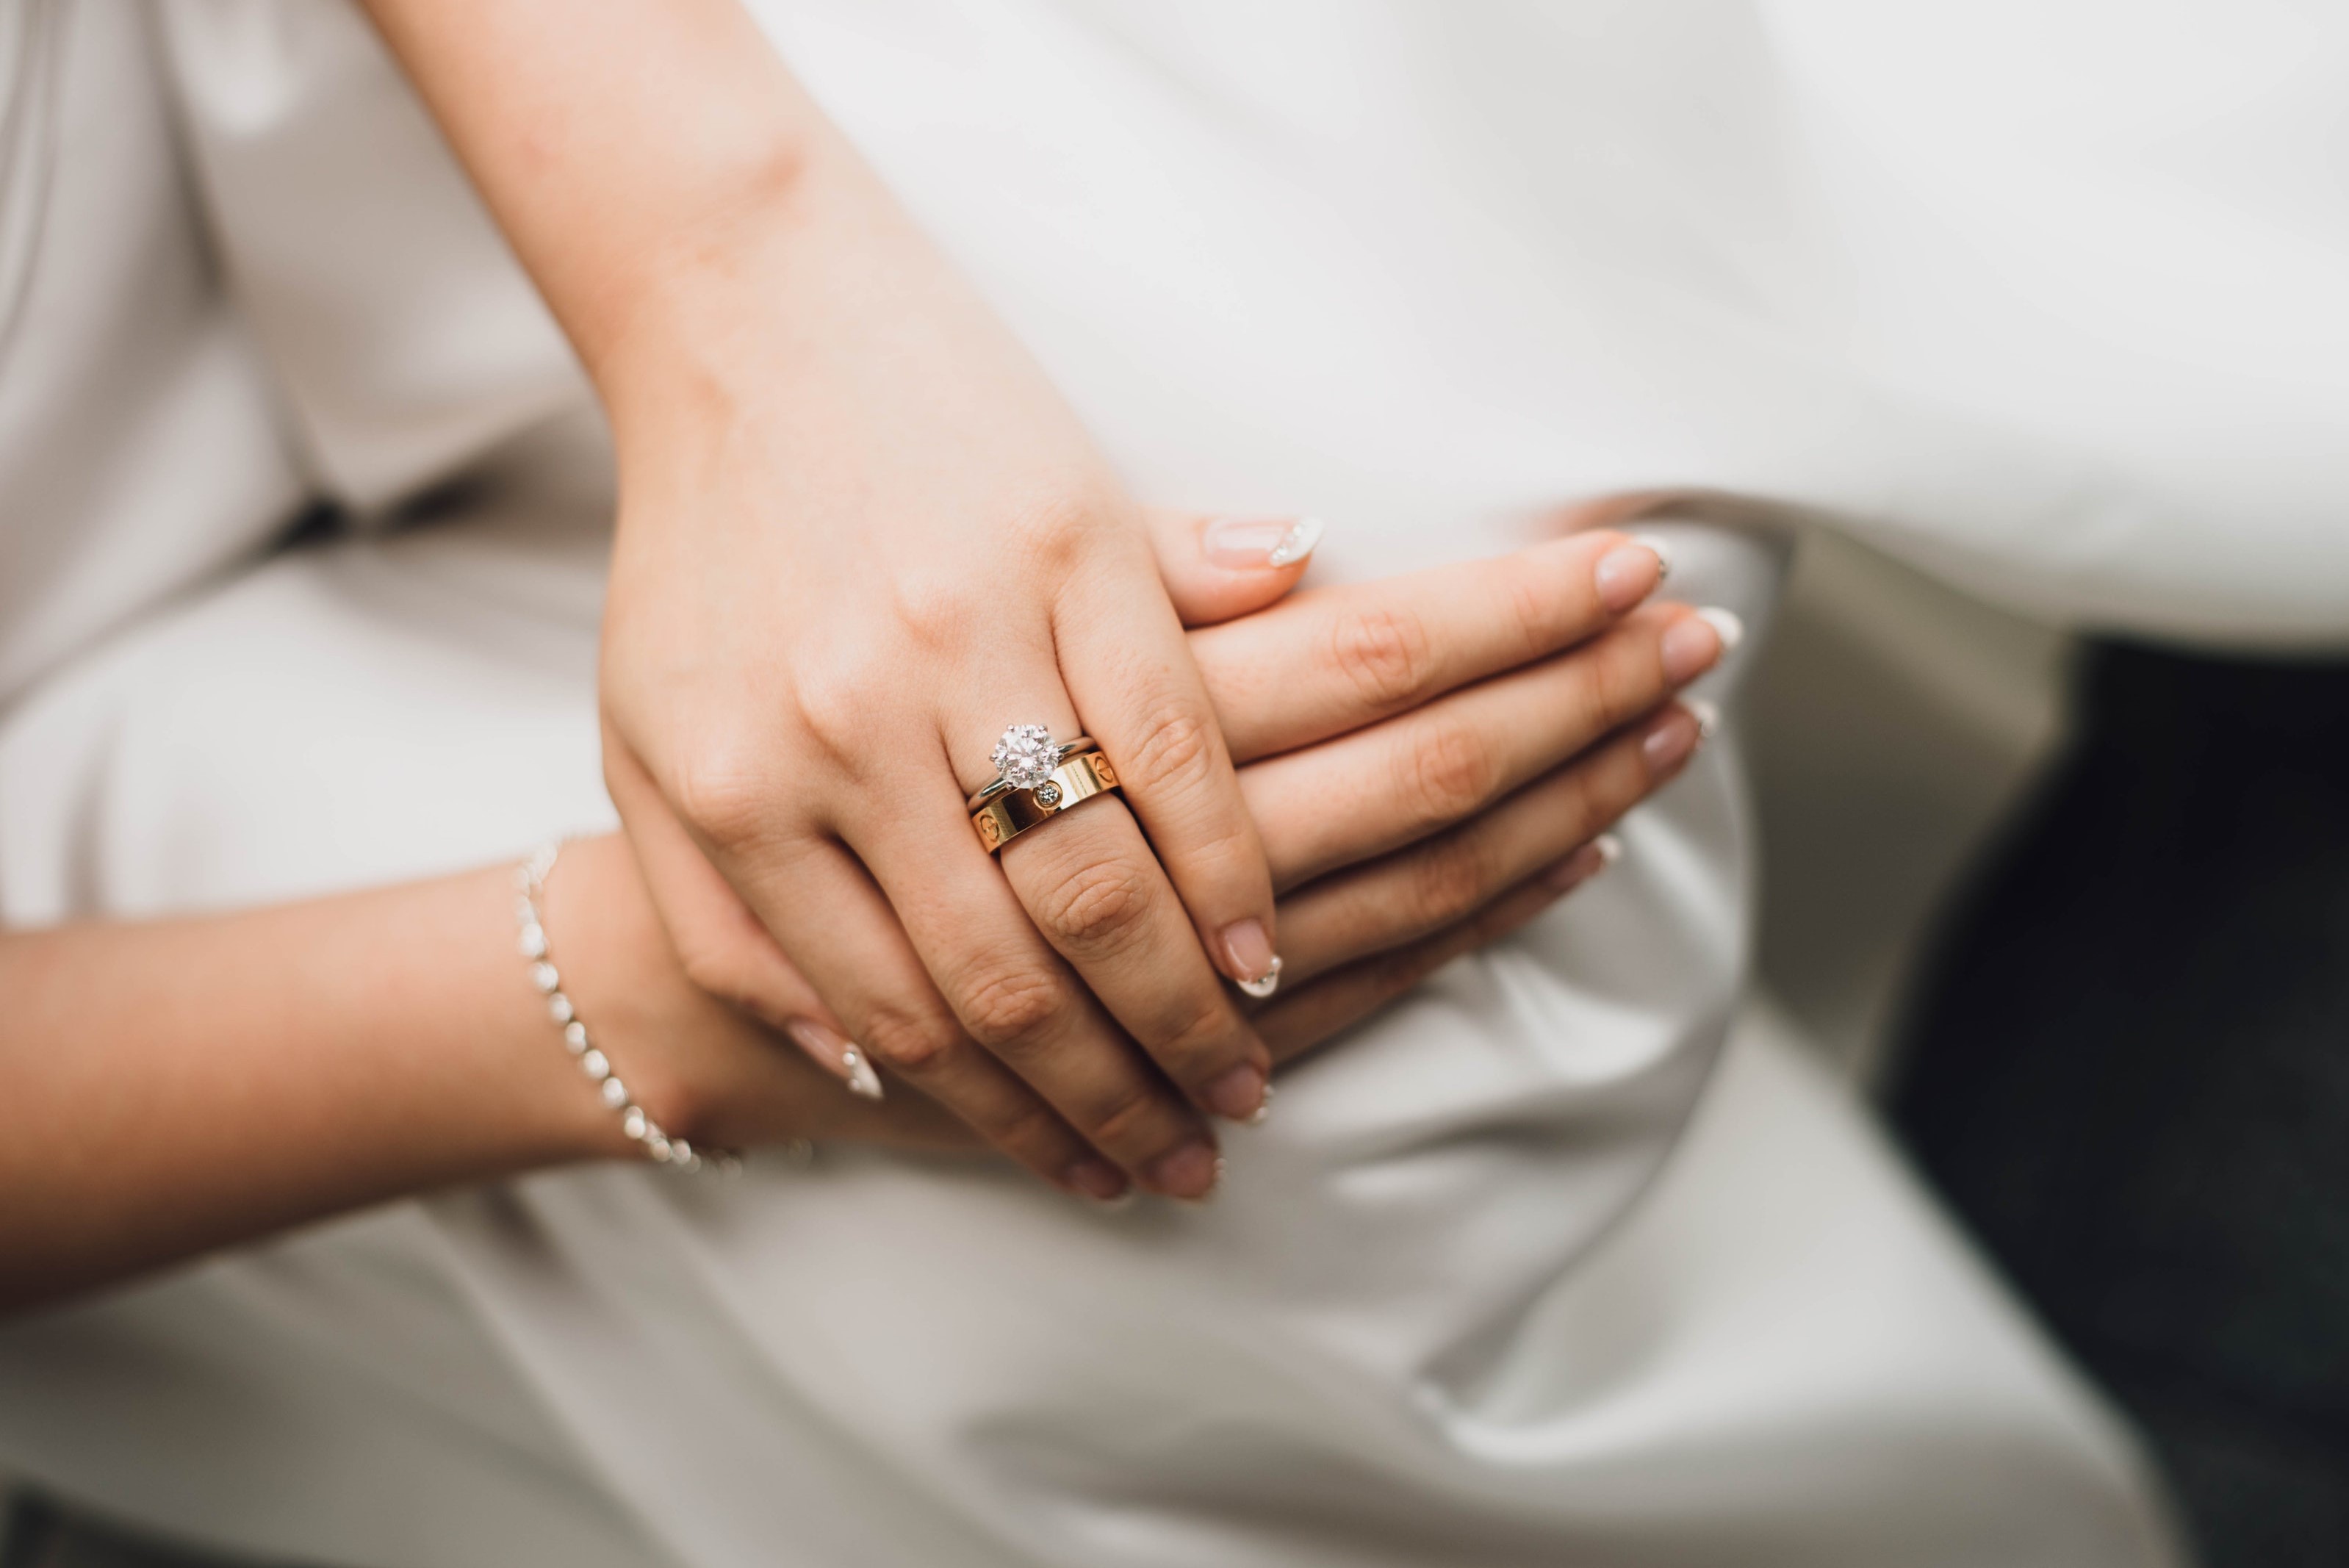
(1217, 568)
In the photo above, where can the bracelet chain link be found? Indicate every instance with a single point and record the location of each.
(530, 883)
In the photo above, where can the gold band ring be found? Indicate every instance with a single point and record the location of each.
(1002, 811)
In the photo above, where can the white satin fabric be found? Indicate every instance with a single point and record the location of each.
(1424, 270)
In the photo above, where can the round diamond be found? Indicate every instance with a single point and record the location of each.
(1026, 755)
(1047, 794)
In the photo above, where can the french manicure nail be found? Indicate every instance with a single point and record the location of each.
(1673, 737)
(1191, 1172)
(1707, 717)
(1249, 958)
(1610, 847)
(1099, 1181)
(1265, 985)
(1626, 574)
(1692, 645)
(1727, 622)
(1238, 1095)
(1661, 551)
(1257, 544)
(1263, 1109)
(837, 1055)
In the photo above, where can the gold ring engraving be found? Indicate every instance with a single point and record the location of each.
(1002, 814)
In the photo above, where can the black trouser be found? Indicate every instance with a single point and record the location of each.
(2127, 1069)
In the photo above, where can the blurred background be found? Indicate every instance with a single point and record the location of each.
(2076, 916)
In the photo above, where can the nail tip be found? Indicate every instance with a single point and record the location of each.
(1265, 985)
(1610, 847)
(1727, 624)
(1706, 714)
(1660, 550)
(862, 1080)
(1303, 536)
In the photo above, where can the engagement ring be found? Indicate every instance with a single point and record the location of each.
(1036, 778)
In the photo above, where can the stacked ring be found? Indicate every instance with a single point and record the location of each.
(1012, 804)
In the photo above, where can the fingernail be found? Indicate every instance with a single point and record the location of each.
(1099, 1181)
(1707, 717)
(1237, 1096)
(1663, 551)
(1258, 543)
(1669, 743)
(1626, 574)
(835, 1054)
(1610, 847)
(1263, 1109)
(1576, 869)
(1692, 645)
(1727, 622)
(1191, 1172)
(1249, 958)
(1265, 985)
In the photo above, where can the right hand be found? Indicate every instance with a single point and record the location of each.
(1430, 759)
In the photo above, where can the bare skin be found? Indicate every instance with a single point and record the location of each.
(1429, 761)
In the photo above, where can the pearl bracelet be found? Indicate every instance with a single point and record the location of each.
(530, 881)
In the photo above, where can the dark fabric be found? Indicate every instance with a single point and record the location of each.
(2127, 1069)
(35, 1533)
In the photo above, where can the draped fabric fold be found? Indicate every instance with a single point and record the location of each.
(1532, 1268)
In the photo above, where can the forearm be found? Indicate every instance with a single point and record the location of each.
(180, 1085)
(717, 253)
(625, 149)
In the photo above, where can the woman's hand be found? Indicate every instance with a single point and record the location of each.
(1431, 759)
(860, 535)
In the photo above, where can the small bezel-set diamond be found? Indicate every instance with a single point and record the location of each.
(1047, 794)
(1025, 756)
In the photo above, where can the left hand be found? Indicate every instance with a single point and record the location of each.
(1430, 759)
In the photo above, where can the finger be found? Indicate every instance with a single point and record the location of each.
(1295, 1024)
(1014, 995)
(1130, 674)
(845, 937)
(720, 943)
(1364, 794)
(1441, 881)
(1334, 660)
(1088, 880)
(1218, 567)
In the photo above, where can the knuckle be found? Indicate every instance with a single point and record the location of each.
(1096, 908)
(1125, 1118)
(1194, 1042)
(1453, 879)
(837, 697)
(1533, 610)
(1177, 748)
(1629, 684)
(1009, 1006)
(912, 1043)
(1584, 801)
(1386, 653)
(1450, 774)
(1056, 528)
(1394, 974)
(716, 970)
(722, 793)
(1031, 1131)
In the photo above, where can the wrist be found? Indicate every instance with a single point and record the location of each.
(622, 982)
